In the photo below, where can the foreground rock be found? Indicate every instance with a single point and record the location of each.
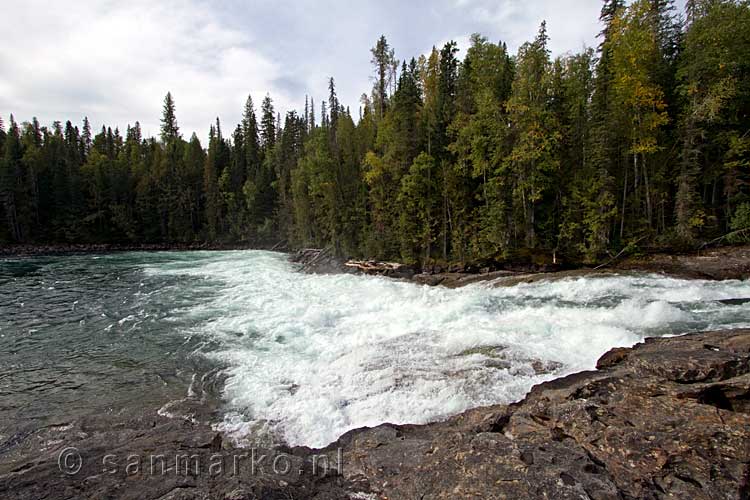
(669, 418)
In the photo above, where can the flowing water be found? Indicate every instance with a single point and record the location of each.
(282, 356)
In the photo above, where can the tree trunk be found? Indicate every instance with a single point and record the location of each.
(624, 199)
(649, 213)
(635, 184)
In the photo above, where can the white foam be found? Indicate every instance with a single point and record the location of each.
(312, 357)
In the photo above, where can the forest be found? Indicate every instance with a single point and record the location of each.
(643, 141)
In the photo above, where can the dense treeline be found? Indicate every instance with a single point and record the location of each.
(644, 140)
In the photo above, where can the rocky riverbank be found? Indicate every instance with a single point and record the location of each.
(669, 418)
(81, 248)
(714, 264)
(24, 250)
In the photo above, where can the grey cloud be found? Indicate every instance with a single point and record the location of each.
(115, 61)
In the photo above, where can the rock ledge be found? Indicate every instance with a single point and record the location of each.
(669, 418)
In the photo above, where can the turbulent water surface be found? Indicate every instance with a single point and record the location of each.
(301, 359)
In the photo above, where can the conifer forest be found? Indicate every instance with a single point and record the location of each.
(643, 141)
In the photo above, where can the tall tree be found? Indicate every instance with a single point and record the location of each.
(533, 159)
(639, 99)
(11, 181)
(383, 58)
(169, 129)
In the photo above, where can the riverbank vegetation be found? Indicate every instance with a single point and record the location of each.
(643, 140)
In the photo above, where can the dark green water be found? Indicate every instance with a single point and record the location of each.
(81, 335)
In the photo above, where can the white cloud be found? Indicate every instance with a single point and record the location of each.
(115, 61)
(571, 24)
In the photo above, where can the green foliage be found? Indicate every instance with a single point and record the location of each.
(740, 224)
(417, 209)
(492, 156)
(712, 83)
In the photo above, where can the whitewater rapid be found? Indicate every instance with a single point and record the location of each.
(310, 357)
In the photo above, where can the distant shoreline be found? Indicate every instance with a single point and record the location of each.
(85, 248)
(719, 263)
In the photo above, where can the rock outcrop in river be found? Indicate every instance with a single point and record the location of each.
(722, 263)
(669, 418)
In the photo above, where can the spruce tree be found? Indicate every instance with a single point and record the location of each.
(86, 136)
(267, 125)
(333, 105)
(383, 60)
(169, 129)
(11, 180)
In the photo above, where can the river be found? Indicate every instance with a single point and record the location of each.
(269, 354)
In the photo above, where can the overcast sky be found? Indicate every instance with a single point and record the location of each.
(114, 61)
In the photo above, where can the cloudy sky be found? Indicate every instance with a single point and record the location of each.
(114, 61)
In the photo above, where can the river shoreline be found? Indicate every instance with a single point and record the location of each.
(666, 418)
(41, 250)
(722, 263)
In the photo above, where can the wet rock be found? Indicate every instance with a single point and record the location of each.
(375, 268)
(429, 279)
(732, 262)
(668, 418)
(734, 302)
(717, 264)
(320, 261)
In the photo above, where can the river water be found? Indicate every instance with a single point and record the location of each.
(269, 354)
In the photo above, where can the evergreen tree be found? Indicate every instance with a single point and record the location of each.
(11, 181)
(169, 129)
(494, 157)
(333, 105)
(86, 136)
(533, 160)
(210, 182)
(639, 100)
(312, 114)
(712, 76)
(383, 59)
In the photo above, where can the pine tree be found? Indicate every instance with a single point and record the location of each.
(383, 59)
(251, 139)
(86, 136)
(267, 125)
(533, 159)
(639, 99)
(265, 196)
(312, 114)
(333, 105)
(169, 129)
(210, 182)
(324, 121)
(11, 180)
(307, 113)
(712, 77)
(493, 157)
(479, 143)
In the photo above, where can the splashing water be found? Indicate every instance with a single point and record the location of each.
(311, 357)
(301, 359)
